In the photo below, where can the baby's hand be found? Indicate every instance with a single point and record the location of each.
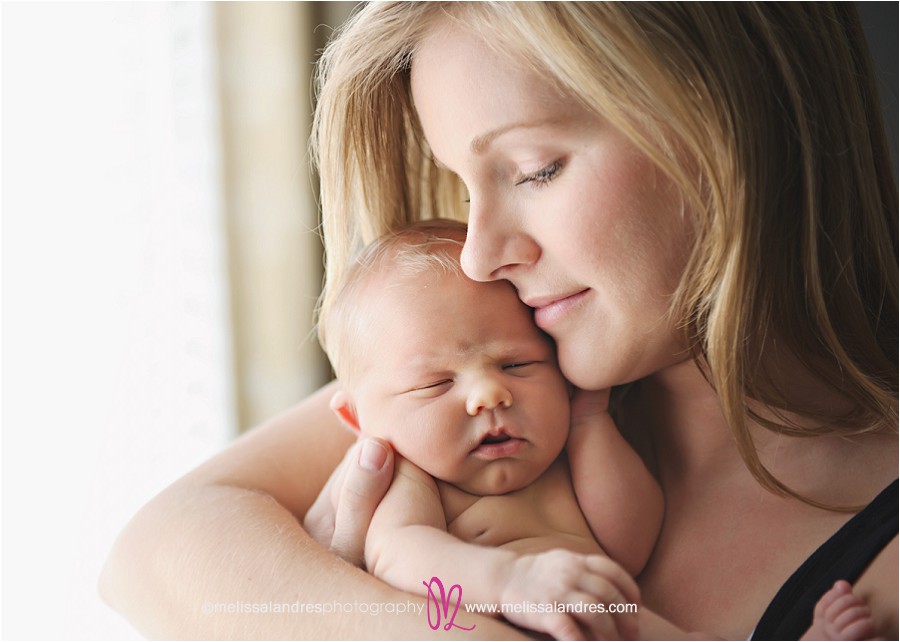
(586, 584)
(589, 404)
(590, 414)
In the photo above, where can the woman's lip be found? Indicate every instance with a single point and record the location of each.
(547, 310)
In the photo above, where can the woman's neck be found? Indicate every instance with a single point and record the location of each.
(679, 411)
(688, 441)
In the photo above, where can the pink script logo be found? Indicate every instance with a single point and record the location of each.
(442, 605)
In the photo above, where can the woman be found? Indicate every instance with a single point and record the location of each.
(698, 202)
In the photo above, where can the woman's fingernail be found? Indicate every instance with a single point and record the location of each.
(372, 456)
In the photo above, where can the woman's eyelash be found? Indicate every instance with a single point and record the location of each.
(542, 176)
(539, 178)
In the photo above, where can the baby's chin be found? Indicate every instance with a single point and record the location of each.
(498, 479)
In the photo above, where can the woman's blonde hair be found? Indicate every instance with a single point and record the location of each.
(788, 173)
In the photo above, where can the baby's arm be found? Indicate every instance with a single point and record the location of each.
(620, 499)
(408, 544)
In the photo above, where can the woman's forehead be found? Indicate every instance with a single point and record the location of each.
(466, 93)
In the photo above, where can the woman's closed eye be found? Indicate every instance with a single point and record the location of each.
(541, 177)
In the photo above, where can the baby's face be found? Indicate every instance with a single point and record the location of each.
(462, 383)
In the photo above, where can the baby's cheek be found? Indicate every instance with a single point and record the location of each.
(431, 436)
(554, 401)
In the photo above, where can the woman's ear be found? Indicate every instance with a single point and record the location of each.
(342, 406)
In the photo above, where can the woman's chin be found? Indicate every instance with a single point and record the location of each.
(581, 370)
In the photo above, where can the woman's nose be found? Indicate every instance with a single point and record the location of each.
(487, 394)
(495, 244)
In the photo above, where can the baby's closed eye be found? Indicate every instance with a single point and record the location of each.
(432, 388)
(521, 368)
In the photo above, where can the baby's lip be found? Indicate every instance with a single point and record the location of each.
(496, 435)
(498, 444)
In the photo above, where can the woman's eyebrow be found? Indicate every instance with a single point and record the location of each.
(480, 143)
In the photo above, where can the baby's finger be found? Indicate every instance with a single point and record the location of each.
(562, 627)
(840, 605)
(626, 622)
(840, 588)
(601, 589)
(864, 629)
(590, 614)
(616, 605)
(617, 620)
(617, 575)
(852, 618)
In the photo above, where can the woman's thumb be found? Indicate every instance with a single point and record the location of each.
(366, 480)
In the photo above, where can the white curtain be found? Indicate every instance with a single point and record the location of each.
(267, 52)
(160, 264)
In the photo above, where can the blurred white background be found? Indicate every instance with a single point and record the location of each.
(159, 267)
(116, 368)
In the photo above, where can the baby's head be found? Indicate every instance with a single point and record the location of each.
(452, 372)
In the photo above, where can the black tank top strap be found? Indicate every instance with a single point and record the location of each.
(843, 557)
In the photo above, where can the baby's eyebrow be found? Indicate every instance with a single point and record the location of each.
(521, 348)
(426, 364)
(441, 363)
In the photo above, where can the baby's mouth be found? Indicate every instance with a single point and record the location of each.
(498, 443)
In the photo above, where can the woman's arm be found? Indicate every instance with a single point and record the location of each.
(225, 540)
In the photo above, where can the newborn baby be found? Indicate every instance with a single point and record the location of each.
(456, 376)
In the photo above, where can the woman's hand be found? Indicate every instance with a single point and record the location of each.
(340, 516)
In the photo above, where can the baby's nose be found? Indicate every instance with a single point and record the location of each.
(487, 394)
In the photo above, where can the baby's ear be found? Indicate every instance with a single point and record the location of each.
(342, 406)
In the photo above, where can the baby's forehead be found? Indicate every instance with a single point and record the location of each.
(390, 295)
(441, 305)
(390, 304)
(416, 288)
(388, 291)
